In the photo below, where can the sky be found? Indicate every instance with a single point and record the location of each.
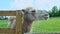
(21, 4)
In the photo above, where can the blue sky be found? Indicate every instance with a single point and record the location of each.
(20, 4)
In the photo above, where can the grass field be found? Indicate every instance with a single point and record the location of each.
(51, 25)
(3, 23)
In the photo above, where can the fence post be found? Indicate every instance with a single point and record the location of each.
(18, 22)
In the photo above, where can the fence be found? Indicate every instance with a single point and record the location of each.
(19, 20)
(18, 29)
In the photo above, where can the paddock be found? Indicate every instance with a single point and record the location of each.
(19, 20)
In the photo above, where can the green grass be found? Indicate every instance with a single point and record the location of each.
(51, 25)
(3, 23)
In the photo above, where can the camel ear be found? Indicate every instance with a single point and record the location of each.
(23, 10)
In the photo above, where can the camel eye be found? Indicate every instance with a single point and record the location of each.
(33, 11)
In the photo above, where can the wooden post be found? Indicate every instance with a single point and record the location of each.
(18, 22)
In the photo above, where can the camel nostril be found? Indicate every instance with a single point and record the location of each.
(46, 14)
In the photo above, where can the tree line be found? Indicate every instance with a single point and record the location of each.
(54, 12)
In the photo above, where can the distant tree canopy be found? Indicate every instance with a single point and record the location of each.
(54, 12)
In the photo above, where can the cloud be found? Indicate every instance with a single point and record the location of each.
(18, 3)
(21, 3)
(41, 4)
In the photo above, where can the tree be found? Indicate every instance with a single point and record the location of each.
(54, 11)
(50, 13)
(59, 12)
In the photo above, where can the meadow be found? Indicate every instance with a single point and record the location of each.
(3, 23)
(50, 25)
